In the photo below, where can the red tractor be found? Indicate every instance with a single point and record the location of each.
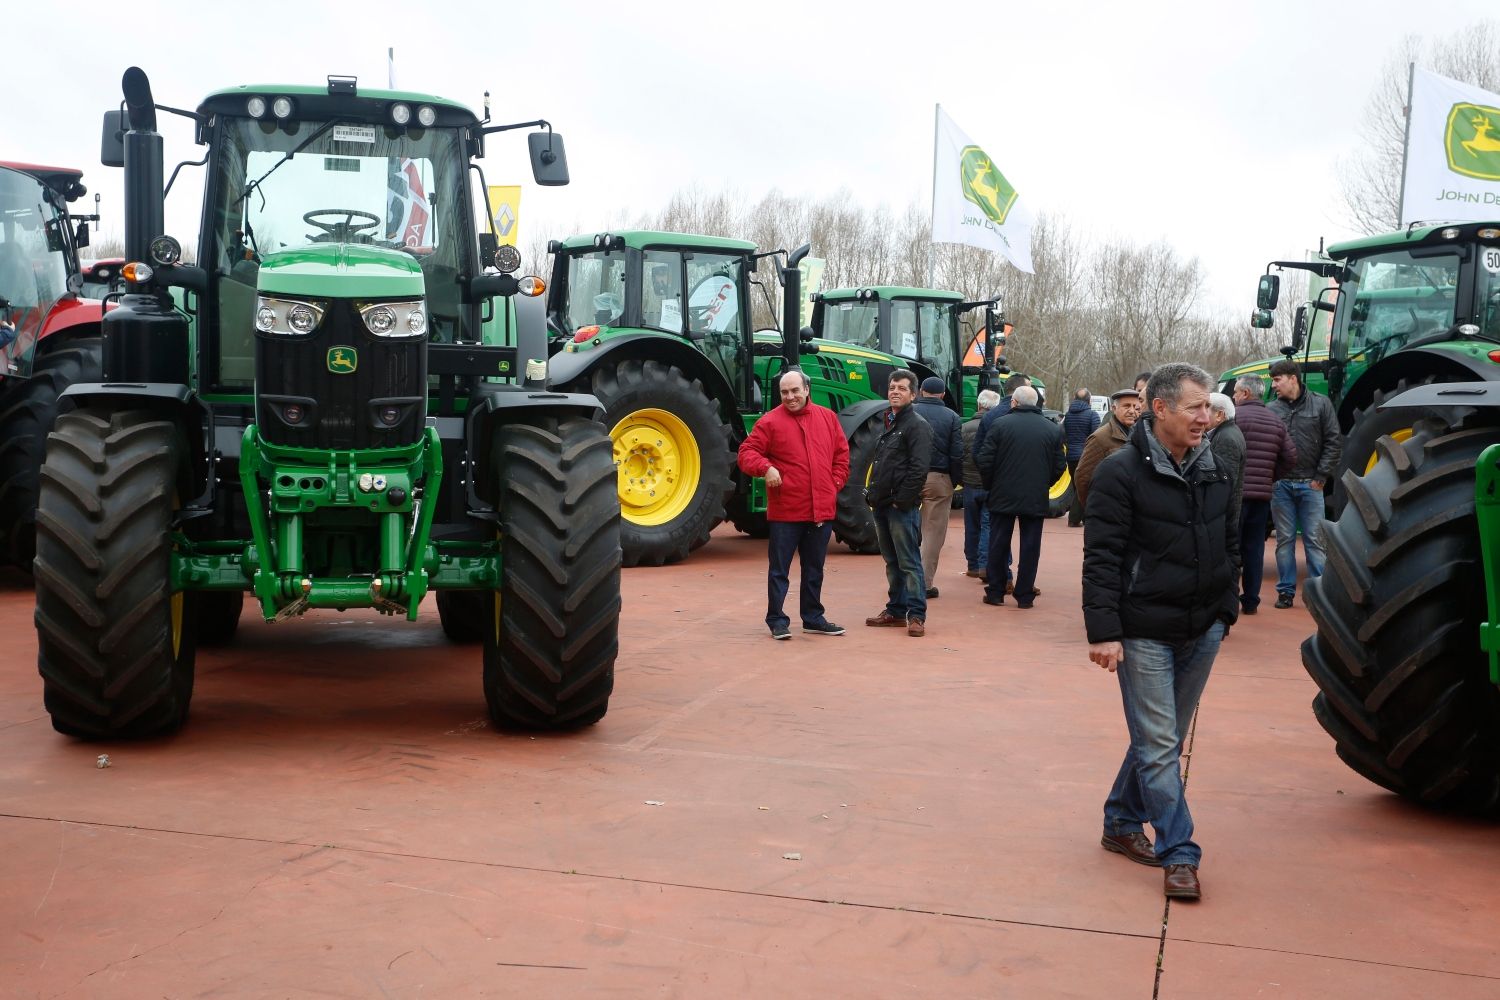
(49, 335)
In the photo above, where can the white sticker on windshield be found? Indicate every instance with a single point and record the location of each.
(1492, 259)
(354, 133)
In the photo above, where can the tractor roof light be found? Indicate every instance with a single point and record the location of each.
(427, 115)
(400, 113)
(137, 272)
(283, 107)
(1488, 234)
(255, 107)
(531, 286)
(1451, 233)
(164, 250)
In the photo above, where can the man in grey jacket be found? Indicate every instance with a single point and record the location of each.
(1297, 499)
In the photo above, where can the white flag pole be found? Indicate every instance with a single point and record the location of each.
(1411, 73)
(390, 69)
(932, 212)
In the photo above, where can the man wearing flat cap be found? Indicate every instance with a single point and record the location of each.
(947, 468)
(1124, 409)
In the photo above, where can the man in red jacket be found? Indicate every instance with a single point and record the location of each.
(801, 451)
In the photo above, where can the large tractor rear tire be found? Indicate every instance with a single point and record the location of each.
(28, 409)
(1061, 495)
(746, 521)
(552, 629)
(462, 614)
(1404, 687)
(671, 447)
(115, 649)
(854, 524)
(1371, 424)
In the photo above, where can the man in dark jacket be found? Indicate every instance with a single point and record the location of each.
(1020, 457)
(1160, 557)
(903, 455)
(976, 514)
(1228, 443)
(947, 469)
(1080, 422)
(801, 451)
(1297, 499)
(1269, 455)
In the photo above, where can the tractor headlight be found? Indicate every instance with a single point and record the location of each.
(165, 250)
(256, 107)
(400, 113)
(282, 107)
(426, 115)
(288, 317)
(395, 319)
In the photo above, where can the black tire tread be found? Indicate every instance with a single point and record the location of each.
(102, 573)
(854, 523)
(552, 664)
(1403, 686)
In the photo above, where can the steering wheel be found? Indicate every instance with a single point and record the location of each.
(351, 222)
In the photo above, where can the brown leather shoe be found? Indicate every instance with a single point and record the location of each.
(1135, 846)
(884, 620)
(916, 627)
(1181, 882)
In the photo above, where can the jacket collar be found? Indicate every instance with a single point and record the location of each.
(1195, 463)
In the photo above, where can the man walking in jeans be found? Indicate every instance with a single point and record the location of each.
(800, 449)
(1160, 560)
(902, 457)
(1268, 456)
(1297, 499)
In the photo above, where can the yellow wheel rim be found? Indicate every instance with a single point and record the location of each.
(658, 466)
(1400, 436)
(1061, 486)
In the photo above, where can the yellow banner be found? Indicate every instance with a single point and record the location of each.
(505, 211)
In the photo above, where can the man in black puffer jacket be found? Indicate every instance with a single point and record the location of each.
(902, 457)
(1160, 561)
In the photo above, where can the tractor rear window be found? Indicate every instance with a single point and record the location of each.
(1395, 298)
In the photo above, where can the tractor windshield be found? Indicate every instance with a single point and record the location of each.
(33, 270)
(596, 289)
(1395, 298)
(854, 323)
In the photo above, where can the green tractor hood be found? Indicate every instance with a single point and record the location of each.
(342, 270)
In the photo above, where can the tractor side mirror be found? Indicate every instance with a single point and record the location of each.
(808, 334)
(112, 142)
(1262, 319)
(1268, 292)
(488, 246)
(1299, 329)
(81, 237)
(549, 160)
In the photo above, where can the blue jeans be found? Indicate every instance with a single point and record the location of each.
(1296, 505)
(899, 533)
(1253, 514)
(976, 528)
(1160, 683)
(810, 542)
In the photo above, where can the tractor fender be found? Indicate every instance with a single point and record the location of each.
(71, 314)
(854, 416)
(497, 404)
(1470, 394)
(173, 401)
(1440, 361)
(566, 368)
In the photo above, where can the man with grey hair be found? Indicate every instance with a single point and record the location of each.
(1269, 455)
(1020, 456)
(976, 514)
(1228, 443)
(1160, 560)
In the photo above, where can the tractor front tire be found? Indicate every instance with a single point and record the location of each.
(854, 522)
(1404, 688)
(552, 629)
(114, 644)
(28, 409)
(1371, 424)
(462, 614)
(671, 447)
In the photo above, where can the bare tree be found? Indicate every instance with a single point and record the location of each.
(1370, 180)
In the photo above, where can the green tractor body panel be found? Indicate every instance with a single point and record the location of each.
(344, 269)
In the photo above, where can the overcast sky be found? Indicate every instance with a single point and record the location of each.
(1218, 130)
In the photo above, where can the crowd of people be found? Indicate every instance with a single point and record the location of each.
(1173, 490)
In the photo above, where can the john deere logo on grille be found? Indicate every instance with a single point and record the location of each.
(984, 185)
(342, 360)
(1473, 145)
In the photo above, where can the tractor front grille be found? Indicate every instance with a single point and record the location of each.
(336, 387)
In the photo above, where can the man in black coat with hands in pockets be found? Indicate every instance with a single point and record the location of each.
(1020, 458)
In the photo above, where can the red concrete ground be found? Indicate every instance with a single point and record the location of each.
(338, 819)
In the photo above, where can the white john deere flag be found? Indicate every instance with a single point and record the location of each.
(972, 202)
(1452, 152)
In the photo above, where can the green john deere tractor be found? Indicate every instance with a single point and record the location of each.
(1407, 652)
(333, 409)
(657, 327)
(861, 335)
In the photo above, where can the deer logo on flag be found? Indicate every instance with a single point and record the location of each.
(984, 185)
